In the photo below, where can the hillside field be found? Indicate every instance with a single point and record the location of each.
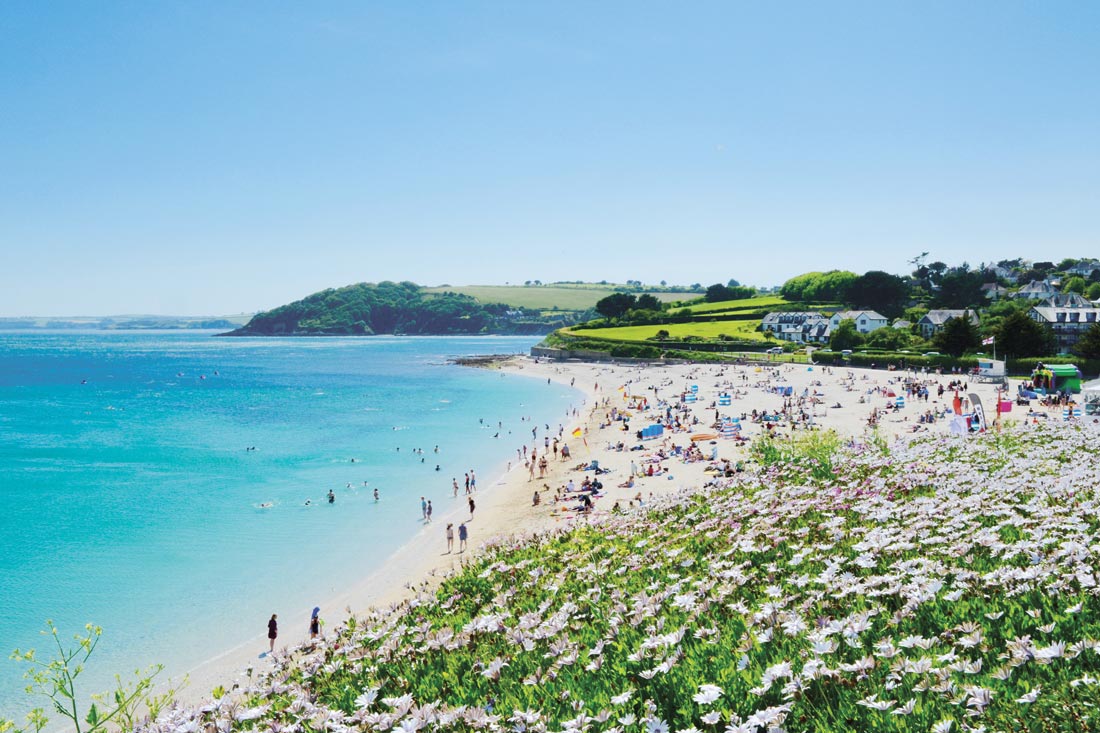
(561, 297)
(744, 330)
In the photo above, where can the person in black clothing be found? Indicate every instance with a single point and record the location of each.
(272, 631)
(315, 623)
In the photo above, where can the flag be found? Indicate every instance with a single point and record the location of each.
(577, 433)
(988, 341)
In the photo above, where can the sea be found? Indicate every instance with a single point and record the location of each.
(170, 487)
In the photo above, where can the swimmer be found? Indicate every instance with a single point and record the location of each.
(309, 502)
(437, 466)
(266, 505)
(376, 494)
(331, 497)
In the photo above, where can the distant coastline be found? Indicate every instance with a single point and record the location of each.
(124, 323)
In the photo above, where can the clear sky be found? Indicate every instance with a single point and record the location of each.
(220, 157)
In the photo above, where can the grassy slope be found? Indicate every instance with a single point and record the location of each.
(569, 298)
(710, 330)
(771, 302)
(832, 591)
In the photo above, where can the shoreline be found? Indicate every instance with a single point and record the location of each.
(422, 558)
(504, 505)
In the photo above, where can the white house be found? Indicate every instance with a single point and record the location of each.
(796, 326)
(1003, 273)
(866, 321)
(933, 321)
(1036, 290)
(1084, 268)
(993, 291)
(1069, 322)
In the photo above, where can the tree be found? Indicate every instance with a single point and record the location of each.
(615, 305)
(818, 287)
(891, 339)
(1092, 292)
(1075, 284)
(1019, 336)
(957, 336)
(960, 287)
(888, 294)
(845, 336)
(648, 302)
(1088, 346)
(732, 283)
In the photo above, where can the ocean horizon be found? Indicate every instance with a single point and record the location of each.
(133, 497)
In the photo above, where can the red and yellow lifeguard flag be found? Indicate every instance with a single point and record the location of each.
(577, 433)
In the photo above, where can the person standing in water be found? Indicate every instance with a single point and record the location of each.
(429, 517)
(315, 623)
(272, 631)
(423, 508)
(376, 495)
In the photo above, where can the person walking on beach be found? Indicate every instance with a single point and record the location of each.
(473, 481)
(462, 537)
(454, 484)
(450, 538)
(423, 509)
(272, 631)
(467, 483)
(471, 500)
(429, 517)
(315, 623)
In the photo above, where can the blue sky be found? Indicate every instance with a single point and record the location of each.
(212, 157)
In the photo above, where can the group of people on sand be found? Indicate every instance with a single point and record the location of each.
(273, 628)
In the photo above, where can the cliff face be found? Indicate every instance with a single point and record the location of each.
(387, 307)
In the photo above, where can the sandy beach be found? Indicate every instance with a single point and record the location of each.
(817, 398)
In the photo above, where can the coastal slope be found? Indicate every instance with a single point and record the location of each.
(364, 309)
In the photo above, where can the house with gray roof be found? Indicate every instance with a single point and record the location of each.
(1069, 322)
(1036, 290)
(933, 321)
(866, 321)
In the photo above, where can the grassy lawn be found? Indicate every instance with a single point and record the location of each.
(564, 297)
(760, 301)
(708, 330)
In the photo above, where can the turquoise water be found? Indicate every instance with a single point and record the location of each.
(130, 500)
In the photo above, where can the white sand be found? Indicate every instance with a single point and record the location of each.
(504, 505)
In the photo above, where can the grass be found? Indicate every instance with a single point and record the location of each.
(770, 302)
(743, 330)
(562, 297)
